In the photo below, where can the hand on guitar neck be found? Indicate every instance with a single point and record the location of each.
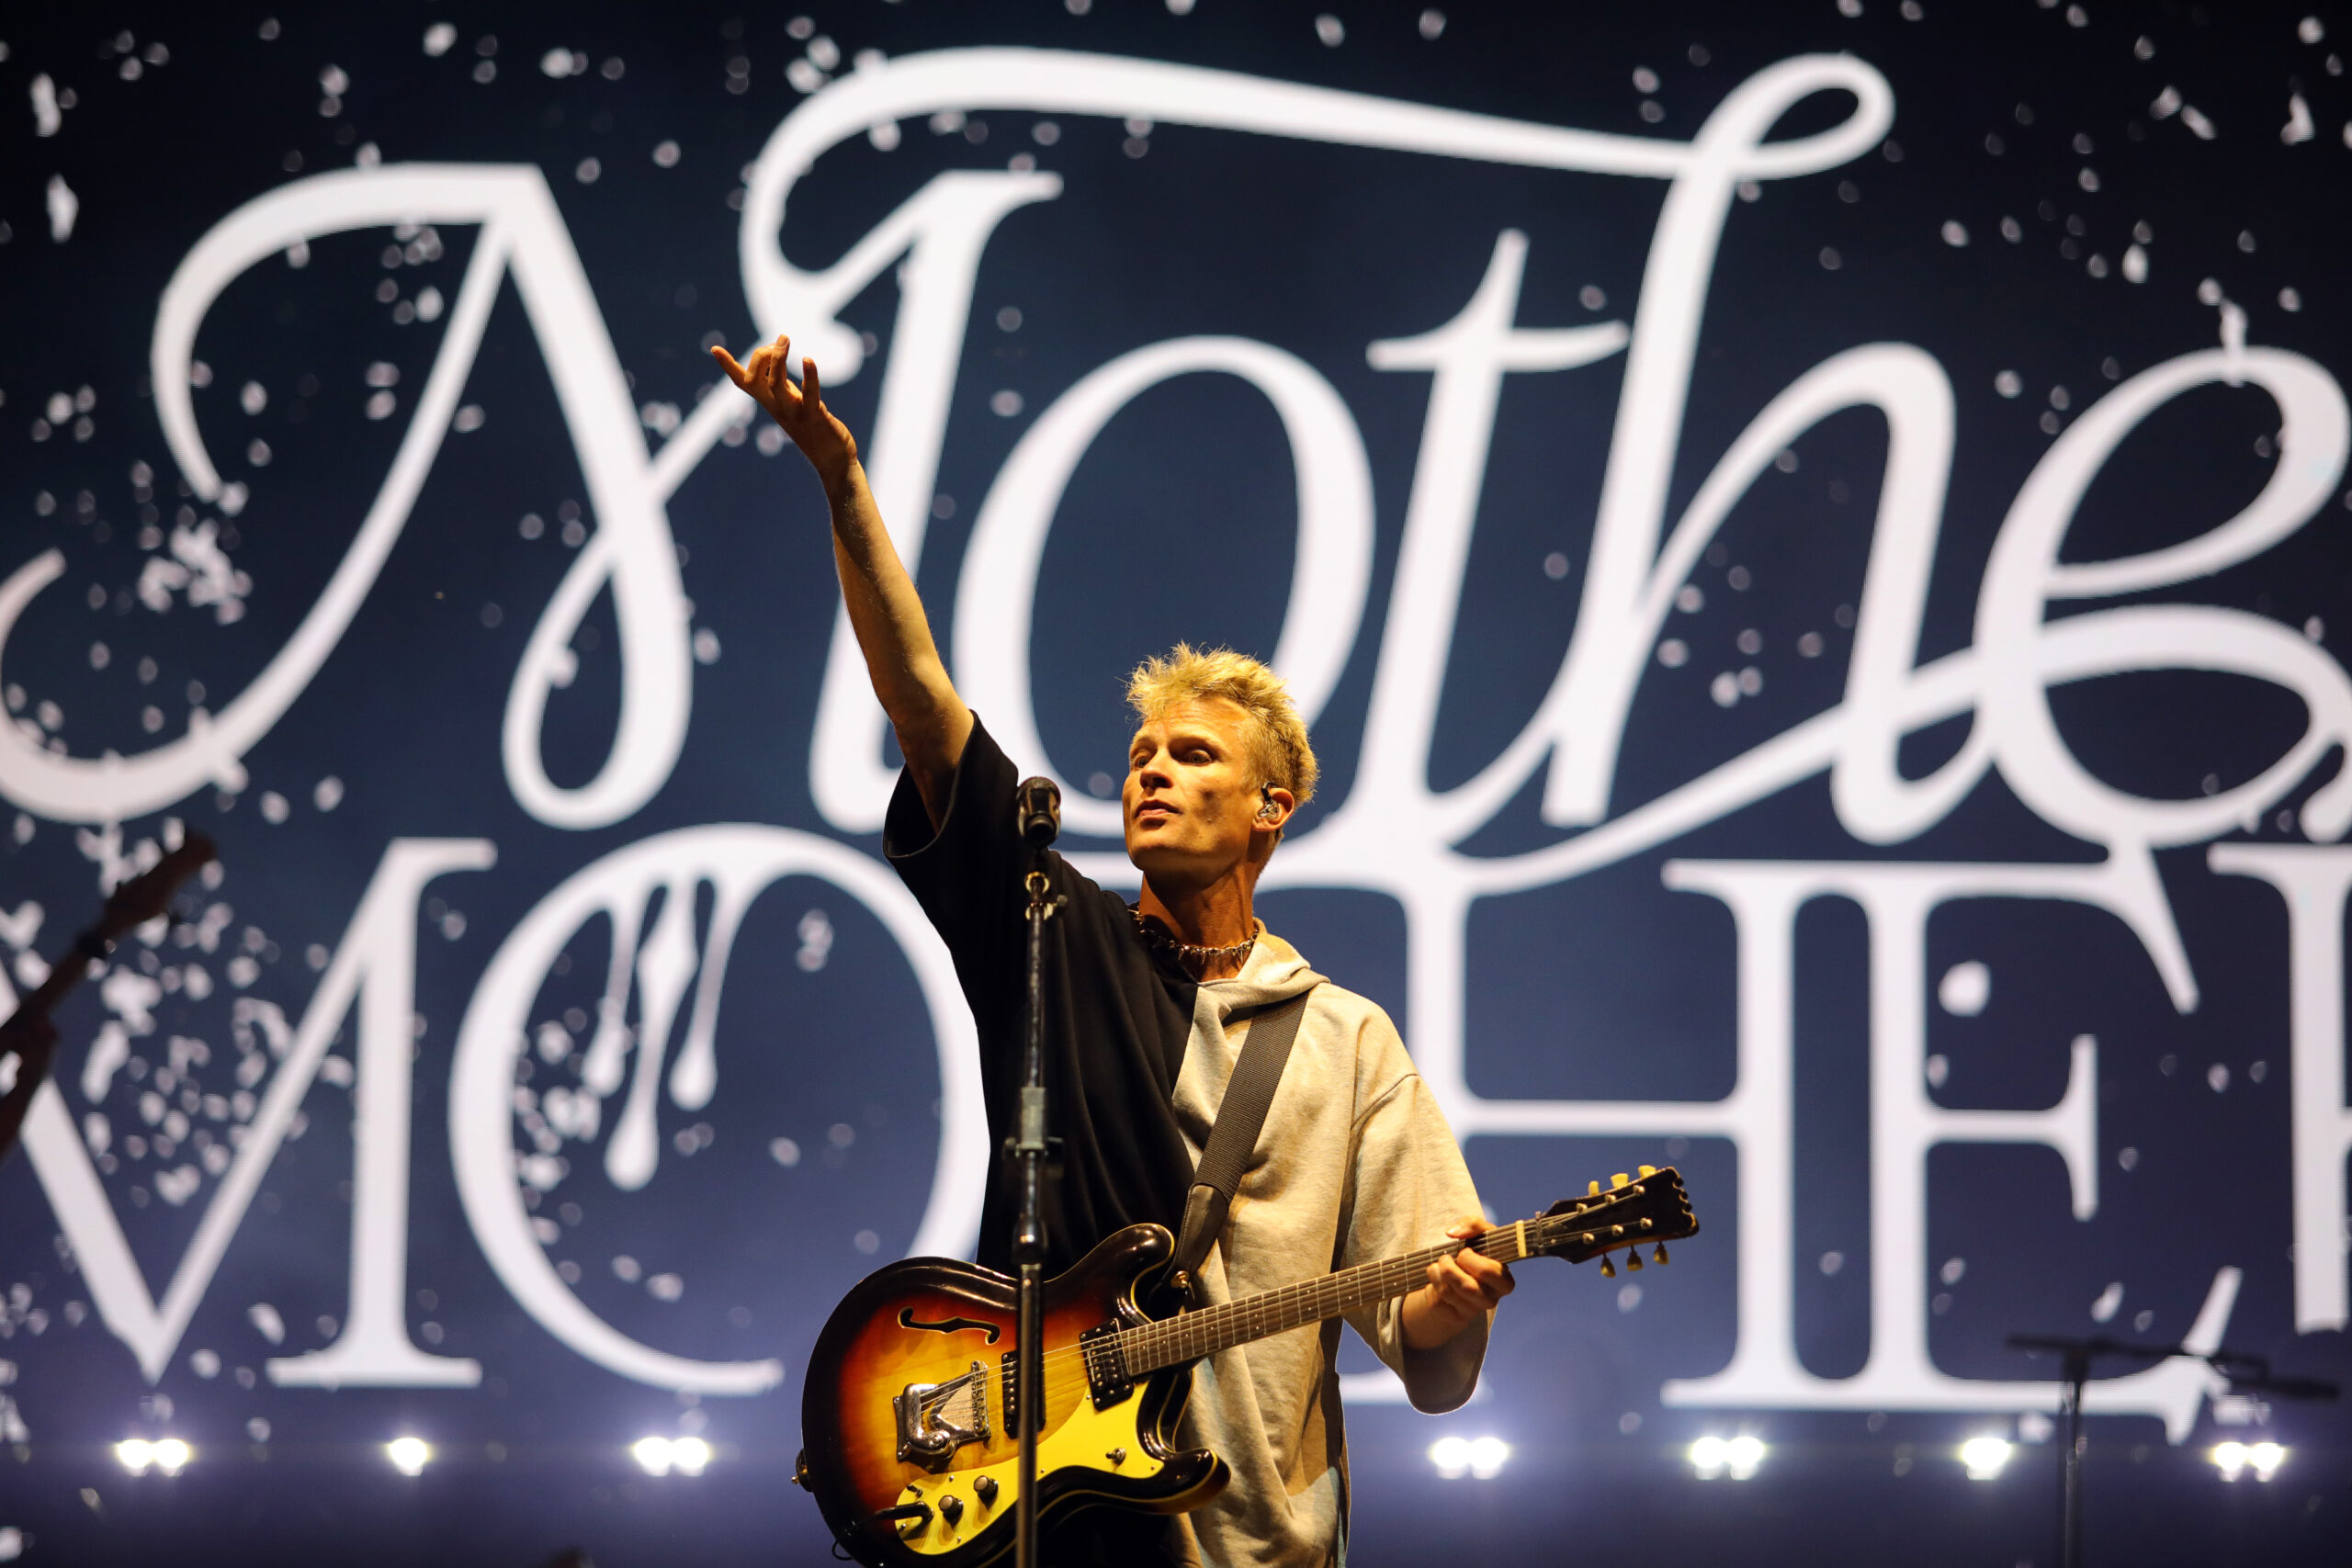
(1463, 1288)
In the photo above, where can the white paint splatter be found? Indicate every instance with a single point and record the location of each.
(2298, 126)
(109, 1051)
(63, 208)
(265, 1318)
(1965, 988)
(46, 119)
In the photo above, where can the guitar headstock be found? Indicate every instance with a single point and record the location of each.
(149, 894)
(1649, 1208)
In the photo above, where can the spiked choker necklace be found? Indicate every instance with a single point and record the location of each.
(1155, 935)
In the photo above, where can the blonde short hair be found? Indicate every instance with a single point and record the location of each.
(1278, 747)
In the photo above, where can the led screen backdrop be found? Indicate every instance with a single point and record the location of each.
(1810, 535)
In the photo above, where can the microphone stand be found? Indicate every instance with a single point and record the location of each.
(2244, 1371)
(1039, 816)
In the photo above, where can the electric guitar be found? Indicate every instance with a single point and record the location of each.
(911, 1413)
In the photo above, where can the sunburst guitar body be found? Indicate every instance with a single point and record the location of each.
(911, 1403)
(910, 1415)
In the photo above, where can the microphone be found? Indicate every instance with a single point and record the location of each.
(1037, 806)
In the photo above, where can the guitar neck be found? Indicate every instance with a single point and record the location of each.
(1190, 1336)
(63, 975)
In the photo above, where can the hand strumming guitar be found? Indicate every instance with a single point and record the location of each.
(1462, 1288)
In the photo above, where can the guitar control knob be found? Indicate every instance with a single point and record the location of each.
(1117, 1456)
(951, 1508)
(985, 1489)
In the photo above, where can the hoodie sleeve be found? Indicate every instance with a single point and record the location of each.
(1409, 1187)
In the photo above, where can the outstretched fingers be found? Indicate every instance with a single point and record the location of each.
(735, 373)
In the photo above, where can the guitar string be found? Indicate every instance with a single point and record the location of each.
(1192, 1334)
(1379, 1282)
(1369, 1282)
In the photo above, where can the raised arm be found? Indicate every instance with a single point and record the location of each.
(884, 609)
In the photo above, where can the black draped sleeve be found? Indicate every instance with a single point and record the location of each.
(1116, 1018)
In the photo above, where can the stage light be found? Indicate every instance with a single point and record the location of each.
(660, 1456)
(1984, 1456)
(137, 1455)
(409, 1455)
(1737, 1457)
(2234, 1459)
(1482, 1458)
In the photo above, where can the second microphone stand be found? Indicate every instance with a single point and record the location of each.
(2246, 1373)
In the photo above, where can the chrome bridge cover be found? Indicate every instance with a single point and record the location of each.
(928, 1433)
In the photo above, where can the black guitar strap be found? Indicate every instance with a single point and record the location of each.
(1233, 1138)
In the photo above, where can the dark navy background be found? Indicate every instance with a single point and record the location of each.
(1319, 251)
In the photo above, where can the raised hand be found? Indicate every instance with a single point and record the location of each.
(885, 612)
(799, 412)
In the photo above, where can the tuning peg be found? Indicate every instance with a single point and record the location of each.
(1658, 1255)
(1633, 1260)
(1608, 1270)
(1647, 1169)
(1594, 1191)
(1620, 1180)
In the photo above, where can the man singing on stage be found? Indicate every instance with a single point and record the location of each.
(1148, 1009)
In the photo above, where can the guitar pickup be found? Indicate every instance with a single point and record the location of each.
(1107, 1378)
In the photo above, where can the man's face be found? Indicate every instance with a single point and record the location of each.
(1192, 793)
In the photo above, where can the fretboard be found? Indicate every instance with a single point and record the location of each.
(1190, 1336)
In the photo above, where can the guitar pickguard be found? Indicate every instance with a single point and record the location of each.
(1094, 1450)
